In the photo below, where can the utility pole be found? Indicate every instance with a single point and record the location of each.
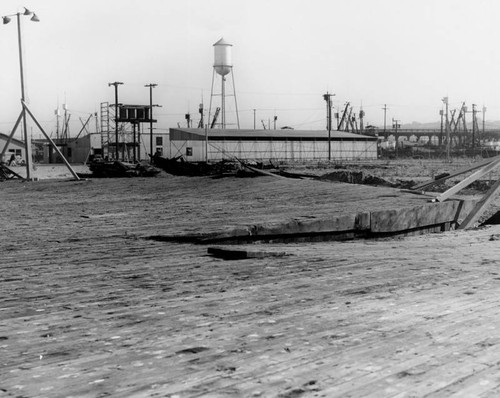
(135, 141)
(328, 98)
(361, 122)
(57, 121)
(395, 125)
(473, 127)
(441, 113)
(116, 84)
(254, 119)
(447, 126)
(385, 115)
(200, 111)
(66, 121)
(97, 124)
(462, 140)
(151, 86)
(484, 117)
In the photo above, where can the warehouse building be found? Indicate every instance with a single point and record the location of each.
(198, 145)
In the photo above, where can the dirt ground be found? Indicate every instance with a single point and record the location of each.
(398, 173)
(51, 171)
(395, 170)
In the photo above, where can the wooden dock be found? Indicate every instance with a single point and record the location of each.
(97, 298)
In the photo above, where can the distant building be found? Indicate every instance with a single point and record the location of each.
(265, 145)
(16, 148)
(75, 150)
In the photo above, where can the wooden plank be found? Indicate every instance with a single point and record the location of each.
(461, 171)
(467, 181)
(235, 253)
(415, 217)
(481, 207)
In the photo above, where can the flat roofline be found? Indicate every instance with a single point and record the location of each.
(285, 134)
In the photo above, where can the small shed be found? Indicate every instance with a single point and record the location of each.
(16, 147)
(197, 145)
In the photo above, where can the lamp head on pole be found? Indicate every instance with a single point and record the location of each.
(6, 19)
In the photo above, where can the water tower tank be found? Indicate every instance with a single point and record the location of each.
(222, 57)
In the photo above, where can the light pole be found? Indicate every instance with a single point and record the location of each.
(27, 142)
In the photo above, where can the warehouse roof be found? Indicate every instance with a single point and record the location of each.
(284, 134)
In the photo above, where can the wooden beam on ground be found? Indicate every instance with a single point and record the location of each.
(405, 219)
(262, 172)
(456, 173)
(467, 181)
(481, 207)
(242, 253)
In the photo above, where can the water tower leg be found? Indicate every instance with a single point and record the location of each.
(211, 96)
(223, 102)
(236, 102)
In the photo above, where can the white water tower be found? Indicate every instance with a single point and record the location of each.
(223, 65)
(223, 61)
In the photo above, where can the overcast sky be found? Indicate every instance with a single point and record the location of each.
(408, 54)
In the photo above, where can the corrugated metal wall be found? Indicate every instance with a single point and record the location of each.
(194, 150)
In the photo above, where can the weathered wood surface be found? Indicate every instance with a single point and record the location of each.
(194, 206)
(88, 308)
(407, 218)
(481, 206)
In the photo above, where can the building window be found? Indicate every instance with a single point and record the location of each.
(159, 151)
(189, 151)
(159, 141)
